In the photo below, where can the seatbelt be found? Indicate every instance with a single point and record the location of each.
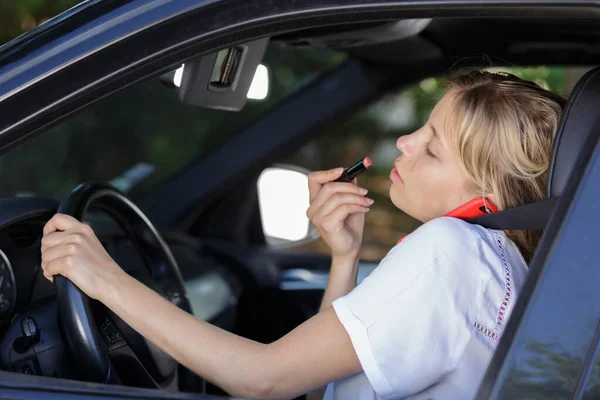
(532, 216)
(476, 207)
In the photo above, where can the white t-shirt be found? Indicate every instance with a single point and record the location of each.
(426, 321)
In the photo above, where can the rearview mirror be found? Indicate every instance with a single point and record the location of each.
(259, 88)
(223, 79)
(283, 199)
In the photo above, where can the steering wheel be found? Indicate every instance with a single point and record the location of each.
(94, 346)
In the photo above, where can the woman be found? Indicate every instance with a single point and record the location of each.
(425, 323)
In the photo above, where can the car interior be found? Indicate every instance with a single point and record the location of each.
(191, 228)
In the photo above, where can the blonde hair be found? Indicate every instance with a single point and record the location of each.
(502, 129)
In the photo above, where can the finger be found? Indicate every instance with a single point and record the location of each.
(334, 222)
(55, 238)
(55, 252)
(49, 277)
(329, 190)
(61, 222)
(338, 199)
(316, 179)
(58, 266)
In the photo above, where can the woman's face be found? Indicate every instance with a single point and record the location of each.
(427, 180)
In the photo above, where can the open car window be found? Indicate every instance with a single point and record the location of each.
(144, 134)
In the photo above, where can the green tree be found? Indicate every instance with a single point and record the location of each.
(19, 16)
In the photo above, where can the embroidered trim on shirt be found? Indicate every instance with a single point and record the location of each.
(491, 333)
(507, 283)
(494, 333)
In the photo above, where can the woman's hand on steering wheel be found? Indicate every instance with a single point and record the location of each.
(71, 248)
(337, 209)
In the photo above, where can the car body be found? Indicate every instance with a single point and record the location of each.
(100, 48)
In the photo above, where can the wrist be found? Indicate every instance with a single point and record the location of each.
(346, 259)
(113, 283)
(344, 266)
(342, 278)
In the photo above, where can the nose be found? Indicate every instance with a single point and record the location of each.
(405, 144)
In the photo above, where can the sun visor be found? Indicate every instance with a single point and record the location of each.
(222, 80)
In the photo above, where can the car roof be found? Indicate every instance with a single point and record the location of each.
(501, 40)
(100, 47)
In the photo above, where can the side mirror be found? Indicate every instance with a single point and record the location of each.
(283, 199)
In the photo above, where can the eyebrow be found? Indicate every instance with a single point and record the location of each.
(437, 136)
(434, 131)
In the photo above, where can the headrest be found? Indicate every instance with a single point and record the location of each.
(580, 121)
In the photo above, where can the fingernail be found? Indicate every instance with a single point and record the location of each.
(364, 191)
(370, 201)
(338, 170)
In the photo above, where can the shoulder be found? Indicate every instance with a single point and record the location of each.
(448, 229)
(442, 250)
(442, 235)
(447, 250)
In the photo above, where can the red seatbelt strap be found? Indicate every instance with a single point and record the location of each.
(471, 209)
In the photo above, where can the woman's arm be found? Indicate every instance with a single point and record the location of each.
(335, 210)
(342, 279)
(315, 353)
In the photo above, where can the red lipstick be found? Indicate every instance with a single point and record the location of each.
(350, 173)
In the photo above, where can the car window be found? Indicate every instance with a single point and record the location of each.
(144, 134)
(373, 132)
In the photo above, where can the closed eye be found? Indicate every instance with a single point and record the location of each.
(428, 151)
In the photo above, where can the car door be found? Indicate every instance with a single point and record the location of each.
(550, 346)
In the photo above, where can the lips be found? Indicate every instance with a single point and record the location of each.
(395, 176)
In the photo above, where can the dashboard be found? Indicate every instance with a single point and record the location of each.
(28, 299)
(21, 279)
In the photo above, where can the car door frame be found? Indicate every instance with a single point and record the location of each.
(562, 268)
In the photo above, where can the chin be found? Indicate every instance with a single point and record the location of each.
(397, 200)
(393, 197)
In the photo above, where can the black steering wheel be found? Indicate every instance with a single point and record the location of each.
(97, 343)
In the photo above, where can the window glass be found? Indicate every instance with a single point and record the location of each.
(139, 137)
(373, 132)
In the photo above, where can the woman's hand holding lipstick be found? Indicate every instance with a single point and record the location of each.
(337, 209)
